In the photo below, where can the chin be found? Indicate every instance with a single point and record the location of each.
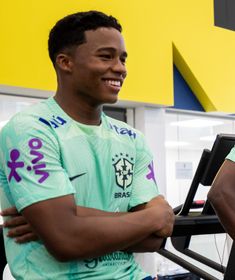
(111, 99)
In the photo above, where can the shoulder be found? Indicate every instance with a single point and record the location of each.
(26, 124)
(28, 118)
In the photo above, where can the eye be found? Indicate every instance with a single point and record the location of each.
(105, 56)
(123, 60)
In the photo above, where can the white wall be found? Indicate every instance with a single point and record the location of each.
(151, 121)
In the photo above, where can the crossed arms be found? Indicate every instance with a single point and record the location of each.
(72, 232)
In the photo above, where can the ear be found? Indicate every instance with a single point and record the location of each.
(64, 62)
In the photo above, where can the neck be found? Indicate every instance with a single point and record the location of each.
(79, 109)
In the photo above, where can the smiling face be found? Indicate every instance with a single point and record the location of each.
(98, 66)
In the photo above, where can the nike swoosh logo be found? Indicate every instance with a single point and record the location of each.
(74, 177)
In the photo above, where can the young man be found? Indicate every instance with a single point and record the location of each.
(83, 181)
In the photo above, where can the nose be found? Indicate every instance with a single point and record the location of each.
(119, 67)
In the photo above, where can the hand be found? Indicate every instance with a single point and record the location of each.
(19, 228)
(166, 215)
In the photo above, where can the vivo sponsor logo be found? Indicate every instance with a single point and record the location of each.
(36, 166)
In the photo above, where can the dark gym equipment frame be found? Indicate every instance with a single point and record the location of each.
(188, 224)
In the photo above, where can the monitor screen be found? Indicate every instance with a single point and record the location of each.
(221, 148)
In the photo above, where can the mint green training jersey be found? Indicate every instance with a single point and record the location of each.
(45, 154)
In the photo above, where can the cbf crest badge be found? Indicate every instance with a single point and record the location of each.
(124, 169)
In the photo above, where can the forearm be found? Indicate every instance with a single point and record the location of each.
(153, 242)
(75, 232)
(224, 207)
(222, 196)
(165, 212)
(92, 212)
(118, 233)
(150, 244)
(88, 237)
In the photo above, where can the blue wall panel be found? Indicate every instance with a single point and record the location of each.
(184, 98)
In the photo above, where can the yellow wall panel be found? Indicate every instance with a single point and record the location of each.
(24, 57)
(204, 54)
(155, 31)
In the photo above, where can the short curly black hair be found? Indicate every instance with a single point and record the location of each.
(69, 31)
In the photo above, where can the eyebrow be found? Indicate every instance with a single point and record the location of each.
(112, 50)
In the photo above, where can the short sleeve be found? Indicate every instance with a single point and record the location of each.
(231, 155)
(144, 186)
(30, 159)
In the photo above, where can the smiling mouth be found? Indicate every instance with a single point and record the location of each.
(113, 83)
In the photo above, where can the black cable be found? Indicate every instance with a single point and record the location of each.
(217, 249)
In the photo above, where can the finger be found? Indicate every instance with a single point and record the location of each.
(18, 231)
(16, 221)
(9, 212)
(26, 238)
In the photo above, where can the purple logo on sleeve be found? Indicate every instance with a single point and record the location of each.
(151, 175)
(35, 145)
(14, 164)
(37, 166)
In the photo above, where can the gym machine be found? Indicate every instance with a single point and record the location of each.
(188, 223)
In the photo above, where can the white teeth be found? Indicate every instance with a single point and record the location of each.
(114, 83)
